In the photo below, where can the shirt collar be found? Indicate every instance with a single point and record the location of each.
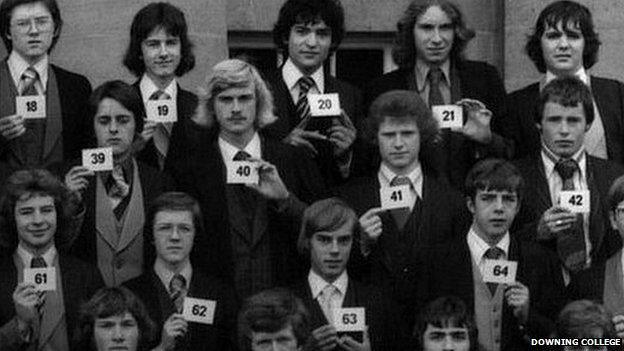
(148, 87)
(228, 151)
(549, 159)
(317, 284)
(291, 75)
(17, 66)
(478, 246)
(416, 177)
(580, 74)
(165, 275)
(26, 256)
(422, 70)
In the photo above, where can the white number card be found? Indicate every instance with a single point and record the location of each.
(499, 271)
(395, 197)
(199, 310)
(241, 172)
(97, 160)
(576, 201)
(449, 116)
(351, 319)
(30, 107)
(43, 278)
(162, 111)
(322, 105)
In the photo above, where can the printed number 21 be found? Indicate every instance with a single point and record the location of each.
(448, 116)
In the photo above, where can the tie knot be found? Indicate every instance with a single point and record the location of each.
(177, 284)
(566, 168)
(242, 156)
(494, 253)
(400, 180)
(305, 83)
(38, 262)
(329, 290)
(30, 73)
(435, 75)
(159, 95)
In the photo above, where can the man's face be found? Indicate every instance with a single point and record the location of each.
(308, 45)
(493, 212)
(563, 128)
(617, 218)
(446, 339)
(235, 109)
(330, 250)
(161, 54)
(174, 232)
(114, 126)
(399, 144)
(563, 48)
(35, 221)
(31, 31)
(119, 332)
(434, 35)
(283, 340)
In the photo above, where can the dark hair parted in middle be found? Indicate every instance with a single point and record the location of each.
(494, 174)
(154, 16)
(309, 12)
(404, 50)
(567, 92)
(569, 14)
(324, 215)
(6, 10)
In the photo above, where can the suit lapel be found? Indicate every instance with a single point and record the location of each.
(540, 184)
(596, 224)
(54, 123)
(135, 216)
(608, 115)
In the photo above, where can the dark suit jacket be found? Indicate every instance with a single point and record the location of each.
(350, 101)
(448, 271)
(153, 183)
(443, 217)
(178, 141)
(80, 281)
(74, 91)
(477, 80)
(384, 327)
(218, 336)
(203, 177)
(519, 123)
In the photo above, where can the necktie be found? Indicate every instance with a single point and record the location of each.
(327, 298)
(162, 131)
(39, 262)
(177, 291)
(28, 82)
(303, 107)
(493, 253)
(571, 242)
(118, 190)
(435, 76)
(400, 215)
(159, 95)
(241, 156)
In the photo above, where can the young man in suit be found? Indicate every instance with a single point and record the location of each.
(30, 29)
(250, 243)
(505, 314)
(158, 52)
(402, 125)
(445, 323)
(173, 221)
(34, 212)
(581, 240)
(307, 32)
(327, 236)
(430, 40)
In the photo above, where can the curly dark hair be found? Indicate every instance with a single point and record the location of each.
(404, 50)
(309, 11)
(158, 15)
(567, 13)
(6, 8)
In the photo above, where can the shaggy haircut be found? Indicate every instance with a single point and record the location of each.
(6, 8)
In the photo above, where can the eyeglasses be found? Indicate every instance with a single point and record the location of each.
(43, 24)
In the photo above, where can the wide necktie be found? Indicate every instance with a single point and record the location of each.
(435, 76)
(571, 242)
(493, 253)
(177, 291)
(28, 82)
(303, 106)
(162, 133)
(39, 262)
(326, 299)
(400, 215)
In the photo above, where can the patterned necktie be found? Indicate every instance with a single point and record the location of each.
(326, 298)
(162, 132)
(303, 107)
(571, 242)
(177, 291)
(493, 253)
(28, 82)
(400, 215)
(435, 76)
(241, 156)
(39, 262)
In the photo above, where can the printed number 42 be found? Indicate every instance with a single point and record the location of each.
(576, 200)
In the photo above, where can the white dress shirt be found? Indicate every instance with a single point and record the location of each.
(17, 66)
(165, 275)
(228, 151)
(385, 176)
(421, 69)
(148, 87)
(317, 284)
(27, 257)
(291, 75)
(478, 247)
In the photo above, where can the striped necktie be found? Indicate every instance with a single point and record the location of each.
(177, 291)
(303, 107)
(28, 82)
(162, 132)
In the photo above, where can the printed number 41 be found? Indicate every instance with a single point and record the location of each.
(396, 195)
